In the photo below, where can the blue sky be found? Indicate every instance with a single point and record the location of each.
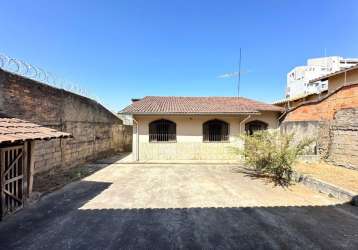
(123, 49)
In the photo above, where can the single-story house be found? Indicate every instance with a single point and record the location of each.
(195, 128)
(16, 160)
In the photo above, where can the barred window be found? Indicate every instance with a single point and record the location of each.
(162, 130)
(215, 131)
(253, 126)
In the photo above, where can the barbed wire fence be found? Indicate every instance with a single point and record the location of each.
(24, 69)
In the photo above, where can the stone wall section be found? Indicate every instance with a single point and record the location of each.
(344, 139)
(96, 131)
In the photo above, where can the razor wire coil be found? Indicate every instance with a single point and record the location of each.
(24, 69)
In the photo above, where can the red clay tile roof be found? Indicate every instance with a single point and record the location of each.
(13, 130)
(197, 105)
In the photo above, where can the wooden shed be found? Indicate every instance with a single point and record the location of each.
(16, 162)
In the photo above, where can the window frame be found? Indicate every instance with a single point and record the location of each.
(153, 137)
(255, 122)
(223, 123)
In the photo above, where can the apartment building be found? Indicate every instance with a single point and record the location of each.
(298, 79)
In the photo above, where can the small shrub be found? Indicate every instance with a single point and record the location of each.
(273, 154)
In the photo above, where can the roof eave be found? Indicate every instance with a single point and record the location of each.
(191, 113)
(35, 139)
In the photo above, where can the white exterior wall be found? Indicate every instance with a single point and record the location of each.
(298, 78)
(189, 144)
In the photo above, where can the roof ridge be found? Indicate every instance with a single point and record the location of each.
(173, 96)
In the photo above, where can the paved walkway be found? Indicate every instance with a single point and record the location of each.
(181, 206)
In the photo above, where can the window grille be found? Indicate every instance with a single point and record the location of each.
(253, 126)
(215, 131)
(162, 131)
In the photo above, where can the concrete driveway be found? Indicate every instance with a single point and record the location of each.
(168, 206)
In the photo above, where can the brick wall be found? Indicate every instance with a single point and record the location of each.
(96, 131)
(324, 110)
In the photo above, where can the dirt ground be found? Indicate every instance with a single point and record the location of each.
(180, 206)
(338, 176)
(52, 180)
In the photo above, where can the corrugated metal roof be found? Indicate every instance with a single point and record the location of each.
(197, 105)
(13, 130)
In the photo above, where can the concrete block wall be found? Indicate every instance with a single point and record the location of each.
(96, 131)
(48, 154)
(304, 130)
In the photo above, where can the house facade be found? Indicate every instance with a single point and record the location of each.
(195, 128)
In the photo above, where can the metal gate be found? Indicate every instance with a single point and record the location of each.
(13, 182)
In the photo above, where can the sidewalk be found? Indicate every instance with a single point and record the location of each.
(337, 181)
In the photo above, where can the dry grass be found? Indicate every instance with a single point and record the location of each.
(55, 179)
(338, 176)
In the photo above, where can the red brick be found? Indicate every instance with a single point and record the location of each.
(324, 111)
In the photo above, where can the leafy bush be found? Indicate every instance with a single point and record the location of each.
(273, 154)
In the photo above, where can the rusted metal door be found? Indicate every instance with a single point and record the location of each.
(13, 178)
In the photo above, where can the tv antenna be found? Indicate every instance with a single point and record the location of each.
(239, 76)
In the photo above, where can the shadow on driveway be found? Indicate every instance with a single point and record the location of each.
(255, 174)
(58, 222)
